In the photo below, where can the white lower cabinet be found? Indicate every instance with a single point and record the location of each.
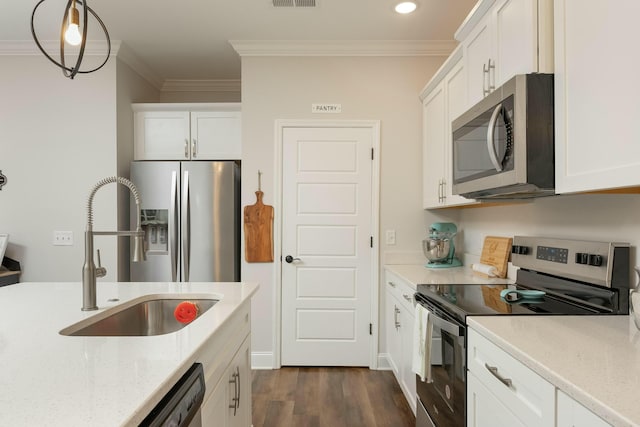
(501, 391)
(230, 401)
(399, 318)
(573, 414)
(227, 370)
(485, 409)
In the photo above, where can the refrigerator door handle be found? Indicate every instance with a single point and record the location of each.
(173, 227)
(185, 227)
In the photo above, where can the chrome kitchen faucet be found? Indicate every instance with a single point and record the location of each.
(89, 271)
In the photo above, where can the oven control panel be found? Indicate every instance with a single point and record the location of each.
(593, 262)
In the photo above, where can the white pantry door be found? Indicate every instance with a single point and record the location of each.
(327, 225)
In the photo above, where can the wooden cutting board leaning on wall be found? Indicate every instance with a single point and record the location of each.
(258, 231)
(495, 252)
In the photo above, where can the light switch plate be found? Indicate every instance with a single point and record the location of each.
(63, 238)
(391, 237)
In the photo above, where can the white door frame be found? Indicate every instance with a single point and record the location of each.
(280, 125)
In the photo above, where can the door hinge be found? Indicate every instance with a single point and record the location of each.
(370, 328)
(371, 241)
(372, 154)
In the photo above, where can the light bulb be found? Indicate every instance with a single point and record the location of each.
(406, 7)
(72, 34)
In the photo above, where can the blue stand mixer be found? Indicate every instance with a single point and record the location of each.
(439, 248)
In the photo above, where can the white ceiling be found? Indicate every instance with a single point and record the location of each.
(189, 39)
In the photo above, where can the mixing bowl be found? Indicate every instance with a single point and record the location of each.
(436, 249)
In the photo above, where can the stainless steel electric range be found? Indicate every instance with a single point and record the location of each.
(555, 277)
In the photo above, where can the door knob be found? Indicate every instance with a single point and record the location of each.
(290, 259)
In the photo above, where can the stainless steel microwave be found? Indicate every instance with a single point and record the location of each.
(503, 147)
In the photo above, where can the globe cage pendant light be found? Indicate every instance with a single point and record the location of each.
(71, 17)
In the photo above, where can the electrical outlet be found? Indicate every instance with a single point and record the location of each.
(391, 237)
(63, 238)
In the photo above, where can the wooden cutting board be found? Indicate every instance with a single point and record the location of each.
(495, 252)
(258, 231)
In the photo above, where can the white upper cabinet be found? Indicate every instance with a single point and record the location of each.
(596, 95)
(433, 134)
(502, 38)
(443, 99)
(215, 135)
(187, 131)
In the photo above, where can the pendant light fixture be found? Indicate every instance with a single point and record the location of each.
(71, 33)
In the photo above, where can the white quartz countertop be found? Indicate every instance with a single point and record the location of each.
(594, 359)
(47, 379)
(418, 274)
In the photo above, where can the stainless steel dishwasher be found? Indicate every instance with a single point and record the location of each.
(180, 407)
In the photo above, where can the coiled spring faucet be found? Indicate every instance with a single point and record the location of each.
(89, 271)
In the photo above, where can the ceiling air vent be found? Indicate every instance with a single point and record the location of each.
(294, 3)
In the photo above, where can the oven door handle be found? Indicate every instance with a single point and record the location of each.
(445, 325)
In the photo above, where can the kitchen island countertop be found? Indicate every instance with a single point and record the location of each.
(593, 359)
(48, 379)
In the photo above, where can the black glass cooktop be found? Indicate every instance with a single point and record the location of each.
(560, 297)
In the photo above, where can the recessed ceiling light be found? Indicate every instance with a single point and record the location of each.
(406, 7)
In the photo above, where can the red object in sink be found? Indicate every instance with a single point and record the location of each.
(186, 312)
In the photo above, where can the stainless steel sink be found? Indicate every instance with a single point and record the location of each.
(154, 316)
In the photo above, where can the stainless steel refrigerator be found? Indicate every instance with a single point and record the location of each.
(191, 217)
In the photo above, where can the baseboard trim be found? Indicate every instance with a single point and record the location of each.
(262, 360)
(383, 362)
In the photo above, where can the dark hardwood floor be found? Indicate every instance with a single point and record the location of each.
(328, 397)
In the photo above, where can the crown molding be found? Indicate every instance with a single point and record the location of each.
(177, 85)
(93, 48)
(126, 55)
(343, 47)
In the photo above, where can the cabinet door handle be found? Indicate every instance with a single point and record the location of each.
(491, 83)
(444, 190)
(235, 379)
(186, 148)
(485, 80)
(494, 372)
(239, 384)
(194, 148)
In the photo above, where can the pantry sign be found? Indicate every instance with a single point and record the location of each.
(326, 108)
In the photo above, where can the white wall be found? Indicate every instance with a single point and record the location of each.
(57, 138)
(130, 88)
(605, 217)
(369, 88)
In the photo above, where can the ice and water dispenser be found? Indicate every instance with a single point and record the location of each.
(155, 223)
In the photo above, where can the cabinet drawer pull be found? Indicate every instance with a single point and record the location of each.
(395, 316)
(393, 285)
(494, 372)
(407, 297)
